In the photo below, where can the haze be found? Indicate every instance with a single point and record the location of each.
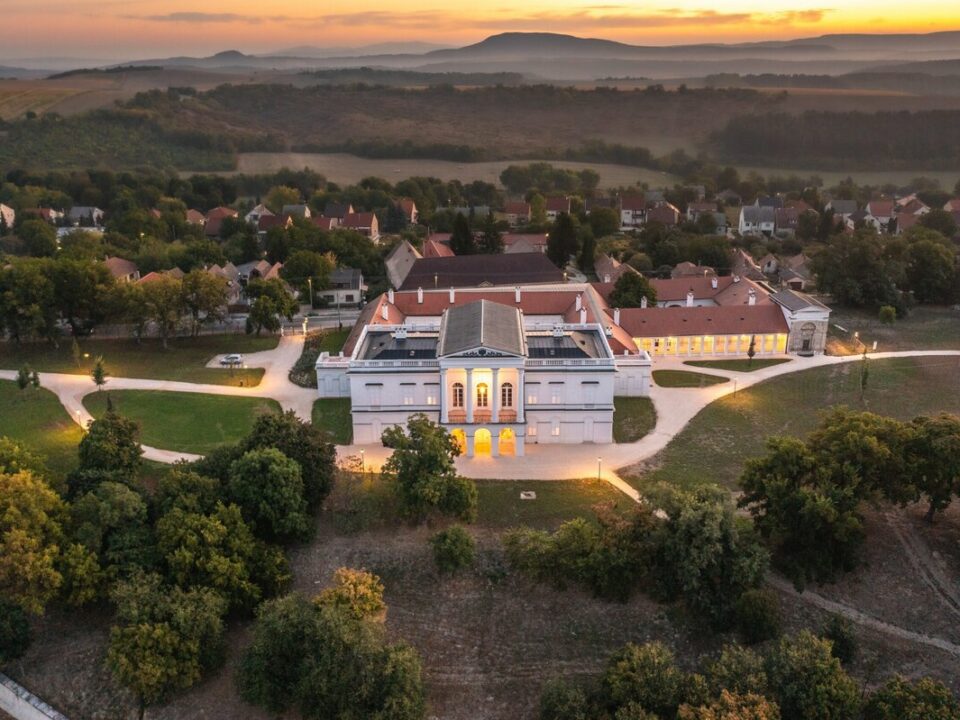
(118, 30)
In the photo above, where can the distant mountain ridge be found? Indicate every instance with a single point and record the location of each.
(561, 57)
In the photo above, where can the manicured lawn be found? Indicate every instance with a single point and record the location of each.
(738, 364)
(333, 415)
(633, 417)
(717, 442)
(333, 340)
(557, 501)
(184, 360)
(684, 379)
(37, 419)
(186, 422)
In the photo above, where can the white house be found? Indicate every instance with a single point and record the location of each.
(633, 211)
(757, 220)
(8, 216)
(496, 377)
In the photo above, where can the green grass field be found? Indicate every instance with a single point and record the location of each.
(185, 422)
(333, 415)
(714, 446)
(184, 361)
(738, 365)
(37, 419)
(684, 379)
(633, 417)
(925, 328)
(556, 501)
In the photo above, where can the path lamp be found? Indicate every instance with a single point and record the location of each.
(734, 387)
(599, 465)
(310, 283)
(304, 327)
(363, 461)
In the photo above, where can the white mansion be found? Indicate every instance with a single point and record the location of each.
(503, 367)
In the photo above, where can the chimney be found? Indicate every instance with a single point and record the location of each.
(453, 296)
(420, 296)
(606, 277)
(516, 294)
(558, 330)
(579, 302)
(714, 282)
(643, 301)
(736, 278)
(383, 312)
(583, 316)
(390, 296)
(616, 316)
(401, 333)
(690, 297)
(751, 297)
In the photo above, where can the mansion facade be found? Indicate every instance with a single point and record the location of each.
(502, 368)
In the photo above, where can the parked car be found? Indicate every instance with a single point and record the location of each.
(232, 360)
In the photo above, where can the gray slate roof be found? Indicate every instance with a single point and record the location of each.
(795, 301)
(481, 324)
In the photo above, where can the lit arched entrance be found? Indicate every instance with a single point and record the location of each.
(507, 440)
(481, 442)
(461, 439)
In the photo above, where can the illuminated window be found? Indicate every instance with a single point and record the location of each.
(555, 429)
(506, 395)
(431, 398)
(531, 431)
(483, 395)
(458, 395)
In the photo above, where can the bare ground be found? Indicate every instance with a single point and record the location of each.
(489, 639)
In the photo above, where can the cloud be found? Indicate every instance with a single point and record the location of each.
(199, 17)
(610, 17)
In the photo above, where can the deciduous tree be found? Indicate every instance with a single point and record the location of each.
(268, 487)
(630, 289)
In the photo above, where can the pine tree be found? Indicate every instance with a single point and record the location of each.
(99, 373)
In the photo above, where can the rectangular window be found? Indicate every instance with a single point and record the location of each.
(531, 398)
(531, 431)
(431, 397)
(555, 430)
(555, 396)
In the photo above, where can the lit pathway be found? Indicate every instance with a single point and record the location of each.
(675, 408)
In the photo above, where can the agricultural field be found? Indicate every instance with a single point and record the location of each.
(18, 97)
(345, 169)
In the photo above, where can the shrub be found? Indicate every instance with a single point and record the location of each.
(560, 700)
(899, 699)
(839, 631)
(737, 669)
(758, 615)
(356, 592)
(645, 675)
(888, 314)
(15, 633)
(453, 549)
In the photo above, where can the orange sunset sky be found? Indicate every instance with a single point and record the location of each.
(136, 29)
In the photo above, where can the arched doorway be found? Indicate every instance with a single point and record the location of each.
(507, 442)
(481, 442)
(461, 438)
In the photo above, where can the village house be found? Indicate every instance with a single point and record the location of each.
(633, 211)
(696, 209)
(757, 220)
(297, 210)
(882, 212)
(664, 213)
(841, 208)
(260, 211)
(195, 217)
(365, 223)
(122, 270)
(215, 218)
(54, 217)
(409, 209)
(525, 242)
(688, 269)
(338, 210)
(516, 212)
(85, 216)
(555, 206)
(609, 270)
(347, 287)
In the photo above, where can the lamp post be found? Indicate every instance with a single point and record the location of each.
(79, 421)
(363, 461)
(310, 284)
(304, 327)
(599, 464)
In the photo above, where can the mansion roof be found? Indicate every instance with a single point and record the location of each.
(721, 320)
(481, 324)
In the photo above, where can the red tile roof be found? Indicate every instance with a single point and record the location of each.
(880, 208)
(325, 223)
(358, 220)
(536, 240)
(558, 204)
(195, 217)
(683, 321)
(633, 202)
(221, 212)
(435, 248)
(516, 207)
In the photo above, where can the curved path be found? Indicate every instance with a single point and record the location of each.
(675, 407)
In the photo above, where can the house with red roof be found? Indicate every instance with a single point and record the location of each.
(409, 209)
(633, 211)
(556, 205)
(365, 223)
(517, 212)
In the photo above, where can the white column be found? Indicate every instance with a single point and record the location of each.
(518, 446)
(469, 452)
(521, 396)
(495, 407)
(470, 392)
(443, 396)
(494, 444)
